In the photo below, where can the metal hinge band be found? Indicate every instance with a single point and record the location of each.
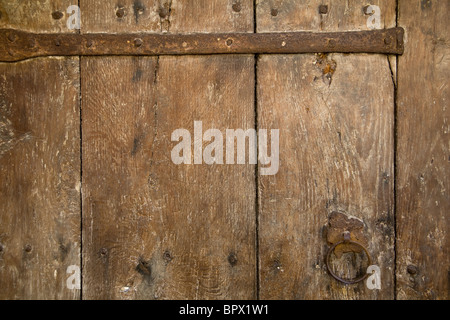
(18, 45)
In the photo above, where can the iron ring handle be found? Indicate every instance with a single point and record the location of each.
(331, 250)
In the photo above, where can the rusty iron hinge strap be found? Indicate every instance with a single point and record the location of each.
(18, 45)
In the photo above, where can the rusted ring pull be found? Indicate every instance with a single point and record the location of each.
(331, 250)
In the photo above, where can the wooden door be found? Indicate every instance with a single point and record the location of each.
(88, 182)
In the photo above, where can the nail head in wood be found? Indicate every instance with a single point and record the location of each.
(323, 9)
(412, 270)
(163, 12)
(236, 7)
(120, 13)
(57, 15)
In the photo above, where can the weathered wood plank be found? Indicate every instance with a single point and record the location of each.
(35, 16)
(423, 204)
(341, 15)
(167, 16)
(39, 163)
(153, 229)
(335, 114)
(40, 178)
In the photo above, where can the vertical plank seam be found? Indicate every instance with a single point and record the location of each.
(255, 76)
(256, 179)
(81, 170)
(395, 158)
(81, 183)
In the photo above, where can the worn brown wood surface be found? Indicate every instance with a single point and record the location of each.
(423, 167)
(153, 229)
(35, 16)
(336, 115)
(39, 164)
(167, 16)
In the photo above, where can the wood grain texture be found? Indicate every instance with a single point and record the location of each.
(156, 230)
(336, 115)
(153, 229)
(39, 178)
(186, 16)
(423, 204)
(35, 16)
(342, 15)
(39, 162)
